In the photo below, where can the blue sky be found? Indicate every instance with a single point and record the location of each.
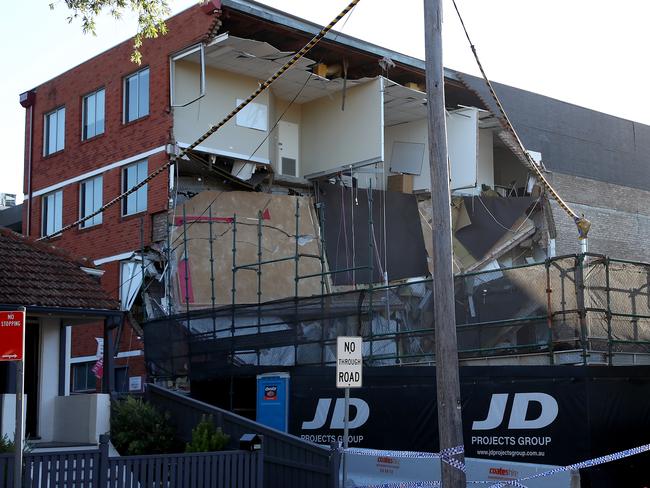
(588, 52)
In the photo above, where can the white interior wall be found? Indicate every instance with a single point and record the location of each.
(416, 132)
(222, 91)
(461, 148)
(485, 158)
(48, 378)
(293, 115)
(331, 137)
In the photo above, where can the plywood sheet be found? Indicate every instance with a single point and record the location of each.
(278, 241)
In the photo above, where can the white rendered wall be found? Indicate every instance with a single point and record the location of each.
(82, 418)
(8, 415)
(48, 378)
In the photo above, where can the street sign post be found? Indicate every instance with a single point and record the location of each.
(12, 348)
(349, 374)
(349, 362)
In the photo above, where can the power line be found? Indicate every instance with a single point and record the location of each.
(296, 57)
(581, 222)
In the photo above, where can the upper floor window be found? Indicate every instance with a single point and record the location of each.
(90, 200)
(92, 123)
(54, 131)
(131, 176)
(136, 95)
(52, 213)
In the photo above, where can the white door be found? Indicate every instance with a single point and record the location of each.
(288, 148)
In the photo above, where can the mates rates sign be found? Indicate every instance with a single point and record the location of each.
(12, 326)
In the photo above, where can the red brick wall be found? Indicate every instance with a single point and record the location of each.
(116, 234)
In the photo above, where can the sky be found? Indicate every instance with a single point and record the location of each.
(592, 53)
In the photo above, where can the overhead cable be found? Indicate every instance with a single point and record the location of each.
(581, 222)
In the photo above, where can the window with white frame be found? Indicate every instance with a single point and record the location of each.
(54, 137)
(92, 118)
(130, 282)
(131, 176)
(136, 95)
(90, 200)
(52, 221)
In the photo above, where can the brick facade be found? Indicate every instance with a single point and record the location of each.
(620, 218)
(116, 234)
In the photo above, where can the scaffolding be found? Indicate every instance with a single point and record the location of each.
(576, 309)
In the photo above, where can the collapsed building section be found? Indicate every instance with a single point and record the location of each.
(309, 216)
(567, 310)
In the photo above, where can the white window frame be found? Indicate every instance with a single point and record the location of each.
(125, 82)
(200, 48)
(130, 281)
(85, 98)
(97, 219)
(45, 207)
(144, 189)
(46, 130)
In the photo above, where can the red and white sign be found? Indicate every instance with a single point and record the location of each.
(12, 327)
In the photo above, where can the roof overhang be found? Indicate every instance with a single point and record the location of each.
(289, 21)
(65, 312)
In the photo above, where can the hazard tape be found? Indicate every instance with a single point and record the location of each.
(447, 456)
(581, 465)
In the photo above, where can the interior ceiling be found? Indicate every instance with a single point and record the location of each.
(260, 60)
(402, 104)
(361, 64)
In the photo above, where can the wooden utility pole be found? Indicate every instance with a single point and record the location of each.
(450, 427)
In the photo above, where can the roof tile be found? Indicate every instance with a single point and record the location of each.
(39, 274)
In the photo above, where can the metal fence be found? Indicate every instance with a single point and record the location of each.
(6, 470)
(95, 469)
(577, 309)
(289, 462)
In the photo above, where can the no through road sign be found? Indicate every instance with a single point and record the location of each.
(349, 362)
(12, 340)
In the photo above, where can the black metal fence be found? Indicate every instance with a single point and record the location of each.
(6, 470)
(95, 469)
(289, 462)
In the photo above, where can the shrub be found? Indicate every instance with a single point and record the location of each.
(206, 437)
(139, 428)
(6, 445)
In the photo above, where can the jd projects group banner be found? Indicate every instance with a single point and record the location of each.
(544, 415)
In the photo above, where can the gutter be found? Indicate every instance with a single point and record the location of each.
(27, 100)
(81, 312)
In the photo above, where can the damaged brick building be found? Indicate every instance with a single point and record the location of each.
(308, 215)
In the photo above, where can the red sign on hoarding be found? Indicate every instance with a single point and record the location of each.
(11, 335)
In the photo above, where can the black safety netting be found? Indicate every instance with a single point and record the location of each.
(582, 309)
